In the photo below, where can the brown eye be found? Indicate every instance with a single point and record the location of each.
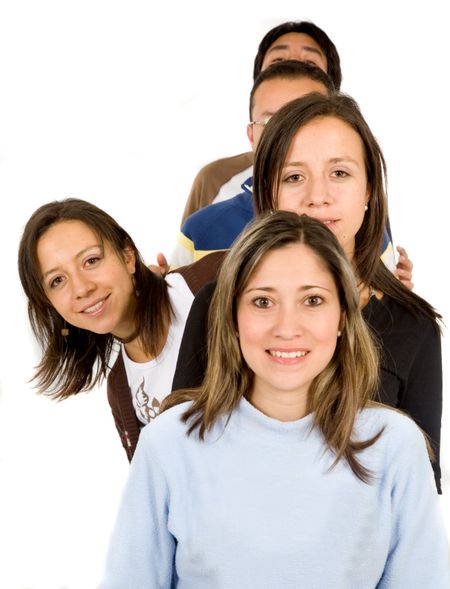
(340, 174)
(92, 261)
(262, 302)
(56, 281)
(314, 301)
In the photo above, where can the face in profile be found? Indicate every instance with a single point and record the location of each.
(296, 46)
(87, 281)
(324, 176)
(288, 319)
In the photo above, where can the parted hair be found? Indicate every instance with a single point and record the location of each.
(308, 28)
(344, 387)
(290, 69)
(76, 362)
(270, 158)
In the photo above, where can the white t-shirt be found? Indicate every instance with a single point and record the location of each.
(150, 382)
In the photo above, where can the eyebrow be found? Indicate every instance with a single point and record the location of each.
(333, 160)
(283, 46)
(79, 255)
(271, 289)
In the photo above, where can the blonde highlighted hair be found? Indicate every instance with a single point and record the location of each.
(336, 395)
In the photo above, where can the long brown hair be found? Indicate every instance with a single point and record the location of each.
(271, 155)
(346, 385)
(76, 362)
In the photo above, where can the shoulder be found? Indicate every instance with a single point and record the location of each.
(167, 427)
(177, 283)
(235, 163)
(216, 211)
(203, 271)
(207, 214)
(388, 315)
(400, 432)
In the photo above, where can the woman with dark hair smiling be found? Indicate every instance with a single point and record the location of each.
(87, 288)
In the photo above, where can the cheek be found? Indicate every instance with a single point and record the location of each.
(251, 332)
(328, 334)
(288, 200)
(57, 300)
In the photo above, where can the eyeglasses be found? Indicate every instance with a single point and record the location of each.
(262, 122)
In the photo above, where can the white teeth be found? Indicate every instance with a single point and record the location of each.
(326, 222)
(278, 354)
(94, 308)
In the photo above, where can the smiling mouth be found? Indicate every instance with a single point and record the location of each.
(96, 307)
(287, 355)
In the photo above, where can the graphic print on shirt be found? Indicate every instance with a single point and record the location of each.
(148, 409)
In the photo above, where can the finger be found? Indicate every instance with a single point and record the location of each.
(161, 259)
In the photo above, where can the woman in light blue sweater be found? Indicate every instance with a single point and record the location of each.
(280, 472)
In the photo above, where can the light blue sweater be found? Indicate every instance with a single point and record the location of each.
(255, 506)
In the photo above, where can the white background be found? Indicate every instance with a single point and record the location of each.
(120, 103)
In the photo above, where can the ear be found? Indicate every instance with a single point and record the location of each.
(130, 259)
(250, 135)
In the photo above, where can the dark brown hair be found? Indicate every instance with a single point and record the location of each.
(76, 362)
(291, 70)
(271, 155)
(313, 31)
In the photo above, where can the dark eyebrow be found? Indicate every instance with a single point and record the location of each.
(79, 254)
(270, 289)
(333, 160)
(283, 46)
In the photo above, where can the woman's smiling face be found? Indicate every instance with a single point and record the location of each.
(288, 319)
(87, 282)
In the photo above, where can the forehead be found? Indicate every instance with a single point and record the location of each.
(68, 231)
(328, 136)
(294, 41)
(294, 265)
(272, 94)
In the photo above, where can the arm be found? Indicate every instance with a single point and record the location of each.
(142, 550)
(418, 555)
(193, 356)
(421, 395)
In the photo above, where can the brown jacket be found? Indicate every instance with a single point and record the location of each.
(128, 425)
(211, 178)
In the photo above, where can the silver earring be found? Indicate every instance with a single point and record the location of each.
(366, 208)
(339, 333)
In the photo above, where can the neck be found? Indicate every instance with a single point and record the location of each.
(284, 406)
(136, 350)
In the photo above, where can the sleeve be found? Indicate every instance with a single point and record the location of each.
(419, 552)
(421, 398)
(183, 253)
(142, 551)
(193, 355)
(202, 193)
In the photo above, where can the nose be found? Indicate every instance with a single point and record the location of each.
(317, 194)
(288, 324)
(82, 285)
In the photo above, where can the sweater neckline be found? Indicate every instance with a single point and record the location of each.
(251, 420)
